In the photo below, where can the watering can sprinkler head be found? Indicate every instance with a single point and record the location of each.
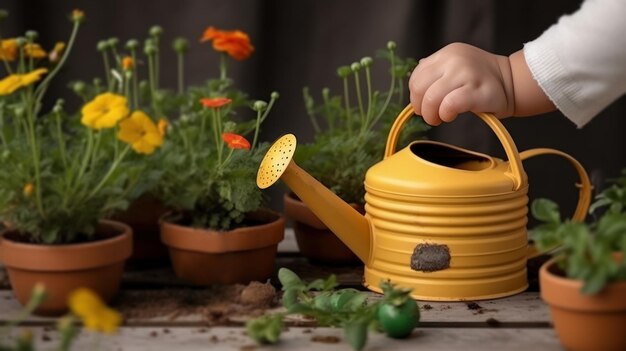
(342, 219)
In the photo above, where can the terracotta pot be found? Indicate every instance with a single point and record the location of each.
(97, 265)
(242, 255)
(584, 322)
(315, 241)
(143, 217)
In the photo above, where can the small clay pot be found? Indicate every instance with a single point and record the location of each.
(242, 255)
(584, 322)
(97, 265)
(143, 216)
(315, 241)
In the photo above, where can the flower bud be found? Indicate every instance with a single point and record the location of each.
(355, 67)
(32, 35)
(156, 31)
(20, 41)
(150, 49)
(3, 14)
(102, 45)
(79, 87)
(77, 16)
(113, 42)
(325, 92)
(366, 61)
(57, 109)
(128, 74)
(38, 294)
(180, 45)
(5, 154)
(132, 44)
(343, 71)
(275, 95)
(391, 45)
(259, 106)
(97, 81)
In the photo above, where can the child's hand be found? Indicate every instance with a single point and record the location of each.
(460, 78)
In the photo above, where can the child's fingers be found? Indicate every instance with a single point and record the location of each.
(421, 79)
(457, 101)
(433, 98)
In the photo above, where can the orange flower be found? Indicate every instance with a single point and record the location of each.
(162, 126)
(55, 54)
(34, 50)
(215, 102)
(234, 42)
(8, 49)
(235, 141)
(128, 63)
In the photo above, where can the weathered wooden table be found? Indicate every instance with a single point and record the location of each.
(162, 313)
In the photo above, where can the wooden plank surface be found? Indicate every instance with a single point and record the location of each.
(231, 338)
(525, 309)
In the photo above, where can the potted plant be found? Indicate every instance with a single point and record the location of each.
(63, 177)
(218, 231)
(350, 139)
(585, 282)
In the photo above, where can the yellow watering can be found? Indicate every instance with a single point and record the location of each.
(447, 222)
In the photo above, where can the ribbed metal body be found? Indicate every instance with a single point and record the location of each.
(486, 237)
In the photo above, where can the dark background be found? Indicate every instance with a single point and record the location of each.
(302, 42)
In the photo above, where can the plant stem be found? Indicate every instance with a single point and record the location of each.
(218, 139)
(109, 173)
(86, 156)
(368, 80)
(28, 97)
(223, 67)
(392, 62)
(181, 73)
(135, 80)
(151, 70)
(346, 97)
(61, 140)
(39, 92)
(156, 62)
(107, 69)
(256, 129)
(357, 85)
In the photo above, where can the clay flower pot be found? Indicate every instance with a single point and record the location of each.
(143, 217)
(242, 255)
(315, 241)
(584, 322)
(97, 265)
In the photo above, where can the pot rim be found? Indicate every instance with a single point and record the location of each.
(564, 292)
(100, 252)
(213, 241)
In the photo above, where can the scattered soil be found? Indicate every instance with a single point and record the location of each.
(427, 307)
(307, 331)
(214, 338)
(326, 339)
(478, 309)
(473, 305)
(492, 322)
(248, 348)
(216, 304)
(45, 337)
(154, 334)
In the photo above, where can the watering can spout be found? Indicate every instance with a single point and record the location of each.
(342, 219)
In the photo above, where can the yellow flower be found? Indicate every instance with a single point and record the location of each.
(139, 131)
(128, 63)
(93, 312)
(15, 81)
(162, 125)
(34, 50)
(104, 111)
(55, 54)
(8, 49)
(28, 189)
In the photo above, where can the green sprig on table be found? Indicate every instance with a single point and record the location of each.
(345, 308)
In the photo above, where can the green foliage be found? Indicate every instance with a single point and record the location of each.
(345, 308)
(58, 178)
(587, 251)
(354, 130)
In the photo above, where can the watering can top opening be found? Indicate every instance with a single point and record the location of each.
(429, 169)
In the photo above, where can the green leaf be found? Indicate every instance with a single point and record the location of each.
(265, 329)
(356, 333)
(546, 210)
(289, 279)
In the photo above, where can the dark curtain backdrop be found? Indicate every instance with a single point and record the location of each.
(302, 43)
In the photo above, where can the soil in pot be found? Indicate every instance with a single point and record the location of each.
(315, 241)
(204, 256)
(143, 217)
(584, 322)
(97, 265)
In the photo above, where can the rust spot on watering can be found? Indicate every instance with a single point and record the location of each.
(430, 257)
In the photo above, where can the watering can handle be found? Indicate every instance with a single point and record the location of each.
(515, 162)
(584, 192)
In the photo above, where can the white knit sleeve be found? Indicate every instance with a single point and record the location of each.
(580, 62)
